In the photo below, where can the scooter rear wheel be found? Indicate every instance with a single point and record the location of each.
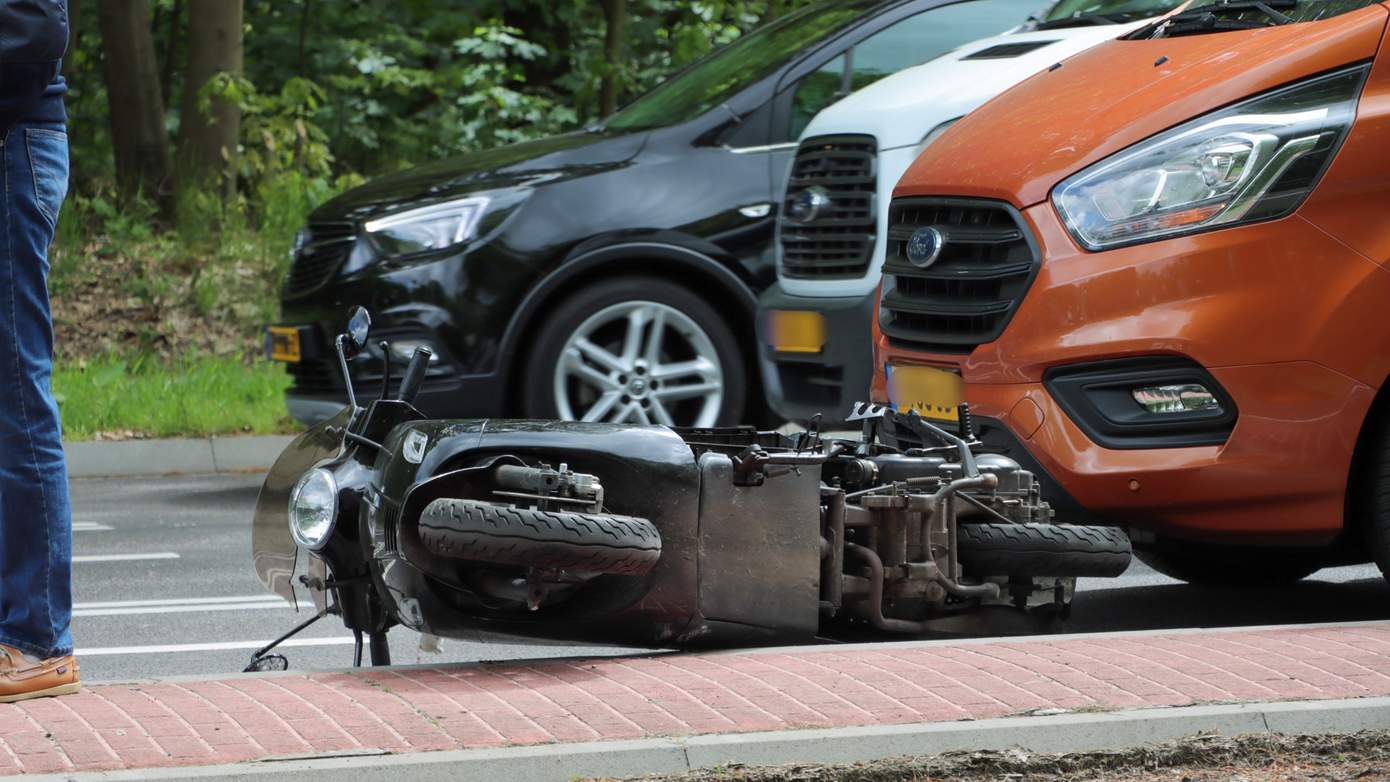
(1063, 550)
(508, 535)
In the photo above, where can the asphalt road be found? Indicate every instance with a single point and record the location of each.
(164, 587)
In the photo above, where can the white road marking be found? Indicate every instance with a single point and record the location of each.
(125, 557)
(180, 601)
(89, 526)
(209, 647)
(180, 605)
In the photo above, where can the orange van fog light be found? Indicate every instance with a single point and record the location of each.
(1176, 398)
(1144, 402)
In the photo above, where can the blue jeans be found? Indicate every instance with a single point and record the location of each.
(35, 514)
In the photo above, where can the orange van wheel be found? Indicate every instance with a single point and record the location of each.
(1230, 566)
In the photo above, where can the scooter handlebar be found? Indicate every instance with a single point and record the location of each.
(415, 374)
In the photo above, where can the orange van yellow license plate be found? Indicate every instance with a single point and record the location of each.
(796, 331)
(934, 393)
(284, 344)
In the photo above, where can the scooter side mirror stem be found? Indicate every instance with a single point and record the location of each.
(341, 345)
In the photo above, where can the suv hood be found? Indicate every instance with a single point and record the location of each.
(529, 163)
(902, 109)
(1019, 145)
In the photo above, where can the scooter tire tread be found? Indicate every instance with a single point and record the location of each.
(1062, 550)
(505, 534)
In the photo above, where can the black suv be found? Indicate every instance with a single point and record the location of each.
(608, 274)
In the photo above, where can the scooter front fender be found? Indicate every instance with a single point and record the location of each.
(273, 550)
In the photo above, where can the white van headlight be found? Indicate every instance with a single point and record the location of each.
(1255, 160)
(314, 509)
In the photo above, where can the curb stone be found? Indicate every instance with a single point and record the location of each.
(182, 456)
(1063, 733)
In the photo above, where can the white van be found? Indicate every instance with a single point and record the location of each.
(814, 321)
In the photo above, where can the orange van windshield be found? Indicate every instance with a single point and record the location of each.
(1076, 13)
(1215, 16)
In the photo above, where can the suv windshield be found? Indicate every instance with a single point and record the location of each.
(719, 76)
(1214, 16)
(1073, 13)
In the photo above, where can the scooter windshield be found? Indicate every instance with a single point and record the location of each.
(273, 549)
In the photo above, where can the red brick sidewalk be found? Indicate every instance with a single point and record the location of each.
(468, 706)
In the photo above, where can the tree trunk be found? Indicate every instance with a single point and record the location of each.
(208, 136)
(615, 20)
(132, 86)
(171, 47)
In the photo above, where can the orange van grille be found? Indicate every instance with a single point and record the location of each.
(964, 295)
(838, 242)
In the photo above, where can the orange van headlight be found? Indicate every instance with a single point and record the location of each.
(1255, 160)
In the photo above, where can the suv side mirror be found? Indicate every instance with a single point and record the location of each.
(357, 327)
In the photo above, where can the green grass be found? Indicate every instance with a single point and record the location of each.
(144, 396)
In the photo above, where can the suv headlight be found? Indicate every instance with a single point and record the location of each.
(1255, 160)
(314, 508)
(434, 227)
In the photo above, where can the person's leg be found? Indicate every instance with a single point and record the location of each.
(35, 517)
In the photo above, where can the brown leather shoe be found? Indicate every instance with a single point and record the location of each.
(21, 680)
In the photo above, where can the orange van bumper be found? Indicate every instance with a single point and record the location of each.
(1285, 318)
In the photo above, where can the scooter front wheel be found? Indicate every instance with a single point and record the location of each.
(509, 535)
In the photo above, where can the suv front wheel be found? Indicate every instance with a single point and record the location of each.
(636, 350)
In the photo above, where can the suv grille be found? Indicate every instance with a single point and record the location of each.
(965, 297)
(838, 242)
(327, 247)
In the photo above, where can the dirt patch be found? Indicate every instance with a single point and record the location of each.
(158, 297)
(1364, 757)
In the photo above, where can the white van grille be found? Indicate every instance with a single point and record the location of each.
(837, 243)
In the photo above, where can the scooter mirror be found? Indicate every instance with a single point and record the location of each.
(358, 325)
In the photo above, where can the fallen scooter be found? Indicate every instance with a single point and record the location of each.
(651, 535)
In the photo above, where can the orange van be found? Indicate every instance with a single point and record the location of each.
(1157, 272)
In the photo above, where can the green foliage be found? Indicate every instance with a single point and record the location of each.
(383, 84)
(401, 103)
(142, 395)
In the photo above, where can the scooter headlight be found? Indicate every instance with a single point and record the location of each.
(314, 509)
(1256, 160)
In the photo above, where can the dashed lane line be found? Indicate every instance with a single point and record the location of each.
(125, 557)
(180, 605)
(224, 646)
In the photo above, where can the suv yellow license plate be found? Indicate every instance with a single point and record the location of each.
(934, 393)
(795, 331)
(284, 344)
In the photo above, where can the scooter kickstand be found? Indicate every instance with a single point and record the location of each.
(262, 660)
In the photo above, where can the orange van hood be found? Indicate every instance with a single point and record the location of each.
(1019, 145)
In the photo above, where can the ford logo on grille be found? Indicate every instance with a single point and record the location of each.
(808, 204)
(924, 247)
